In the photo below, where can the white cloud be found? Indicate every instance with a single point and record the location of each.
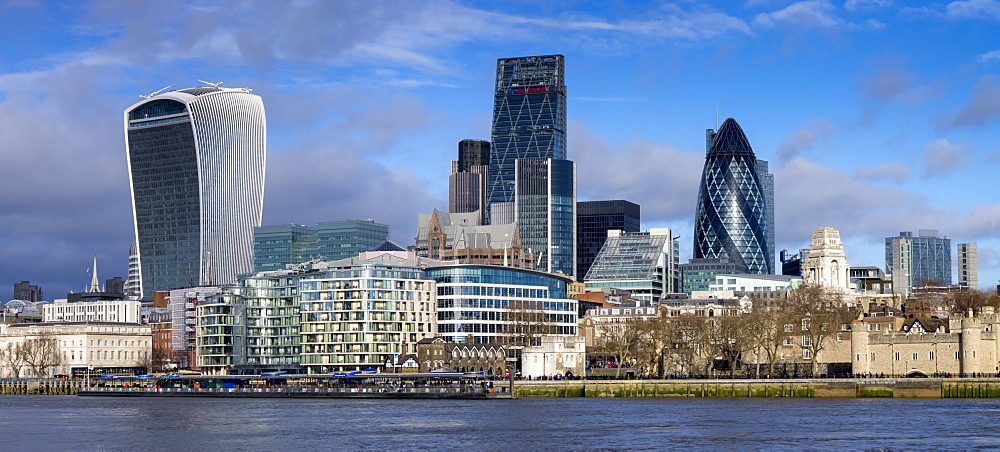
(989, 56)
(942, 157)
(974, 9)
(806, 14)
(894, 172)
(855, 5)
(809, 135)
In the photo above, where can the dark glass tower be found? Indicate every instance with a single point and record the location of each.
(546, 212)
(529, 119)
(593, 221)
(732, 218)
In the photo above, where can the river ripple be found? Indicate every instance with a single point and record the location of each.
(181, 424)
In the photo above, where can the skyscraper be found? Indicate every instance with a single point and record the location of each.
(593, 221)
(27, 292)
(968, 265)
(196, 167)
(924, 259)
(545, 204)
(467, 181)
(529, 119)
(731, 220)
(643, 263)
(276, 246)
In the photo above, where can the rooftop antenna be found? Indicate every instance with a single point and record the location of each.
(213, 85)
(147, 96)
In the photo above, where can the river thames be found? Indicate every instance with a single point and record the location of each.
(179, 424)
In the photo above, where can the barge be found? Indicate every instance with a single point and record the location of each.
(432, 385)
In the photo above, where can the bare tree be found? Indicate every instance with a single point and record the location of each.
(527, 321)
(620, 341)
(820, 312)
(12, 356)
(971, 300)
(41, 354)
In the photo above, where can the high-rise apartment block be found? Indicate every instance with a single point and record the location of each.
(276, 246)
(196, 167)
(593, 221)
(529, 119)
(27, 292)
(732, 217)
(918, 260)
(968, 265)
(545, 204)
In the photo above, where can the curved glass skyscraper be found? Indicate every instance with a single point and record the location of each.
(196, 166)
(732, 218)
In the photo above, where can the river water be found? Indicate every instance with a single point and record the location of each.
(182, 424)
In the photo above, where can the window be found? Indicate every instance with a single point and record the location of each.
(805, 324)
(840, 337)
(807, 341)
(897, 356)
(915, 356)
(930, 356)
(788, 341)
(807, 353)
(788, 328)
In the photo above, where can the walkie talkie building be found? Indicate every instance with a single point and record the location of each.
(732, 216)
(196, 166)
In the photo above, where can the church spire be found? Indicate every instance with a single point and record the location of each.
(94, 286)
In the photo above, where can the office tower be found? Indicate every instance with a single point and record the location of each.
(642, 263)
(968, 265)
(196, 167)
(767, 186)
(132, 288)
(276, 246)
(545, 212)
(114, 285)
(921, 260)
(699, 274)
(472, 153)
(529, 119)
(731, 220)
(593, 221)
(27, 292)
(343, 239)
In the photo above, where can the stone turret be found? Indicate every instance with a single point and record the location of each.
(859, 348)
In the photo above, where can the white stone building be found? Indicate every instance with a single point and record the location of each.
(826, 264)
(120, 311)
(557, 355)
(101, 348)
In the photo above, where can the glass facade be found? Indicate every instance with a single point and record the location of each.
(337, 240)
(639, 262)
(529, 119)
(486, 304)
(924, 259)
(593, 221)
(731, 220)
(699, 274)
(546, 212)
(276, 246)
(196, 166)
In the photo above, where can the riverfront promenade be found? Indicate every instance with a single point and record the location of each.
(806, 388)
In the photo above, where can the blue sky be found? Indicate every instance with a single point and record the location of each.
(877, 116)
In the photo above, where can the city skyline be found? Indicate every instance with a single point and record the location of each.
(876, 117)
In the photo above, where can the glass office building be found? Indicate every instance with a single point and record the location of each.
(642, 263)
(196, 168)
(529, 119)
(918, 260)
(484, 303)
(546, 212)
(276, 246)
(593, 221)
(732, 216)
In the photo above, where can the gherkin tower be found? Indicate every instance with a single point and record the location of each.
(732, 218)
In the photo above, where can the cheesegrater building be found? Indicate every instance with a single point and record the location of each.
(732, 218)
(529, 119)
(196, 168)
